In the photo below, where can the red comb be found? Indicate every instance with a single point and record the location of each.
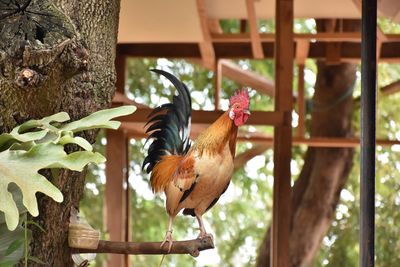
(240, 96)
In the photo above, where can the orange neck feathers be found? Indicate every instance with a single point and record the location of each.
(213, 140)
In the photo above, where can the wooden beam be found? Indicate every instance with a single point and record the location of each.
(301, 101)
(243, 77)
(206, 46)
(270, 37)
(247, 78)
(326, 142)
(350, 52)
(284, 54)
(137, 130)
(339, 142)
(208, 117)
(256, 46)
(114, 191)
(192, 247)
(391, 88)
(354, 37)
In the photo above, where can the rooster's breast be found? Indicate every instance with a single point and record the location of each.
(214, 174)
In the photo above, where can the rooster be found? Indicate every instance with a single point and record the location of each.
(192, 176)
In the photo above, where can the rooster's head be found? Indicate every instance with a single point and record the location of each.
(239, 107)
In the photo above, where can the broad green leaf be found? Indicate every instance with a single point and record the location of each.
(11, 245)
(20, 133)
(22, 146)
(21, 167)
(83, 143)
(16, 244)
(45, 122)
(8, 263)
(38, 144)
(99, 119)
(6, 140)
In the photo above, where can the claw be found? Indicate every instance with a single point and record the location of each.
(203, 234)
(167, 238)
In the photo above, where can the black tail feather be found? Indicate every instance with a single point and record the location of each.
(169, 125)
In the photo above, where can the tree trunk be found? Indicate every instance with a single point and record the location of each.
(316, 192)
(56, 56)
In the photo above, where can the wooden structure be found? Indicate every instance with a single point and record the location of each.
(201, 40)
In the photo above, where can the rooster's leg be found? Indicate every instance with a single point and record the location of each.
(203, 232)
(168, 234)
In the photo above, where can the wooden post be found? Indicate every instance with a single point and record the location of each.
(120, 69)
(300, 101)
(114, 193)
(116, 175)
(127, 215)
(218, 84)
(368, 133)
(282, 134)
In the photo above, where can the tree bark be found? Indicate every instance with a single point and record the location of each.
(316, 192)
(56, 56)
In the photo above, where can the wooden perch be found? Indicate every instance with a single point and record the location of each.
(192, 247)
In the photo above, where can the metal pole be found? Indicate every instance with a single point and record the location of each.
(368, 135)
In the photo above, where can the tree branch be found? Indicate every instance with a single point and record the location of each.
(192, 247)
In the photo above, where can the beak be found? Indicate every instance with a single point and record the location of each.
(246, 111)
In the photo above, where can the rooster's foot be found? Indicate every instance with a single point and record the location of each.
(204, 235)
(167, 238)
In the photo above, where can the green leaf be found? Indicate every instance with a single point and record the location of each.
(20, 134)
(14, 246)
(99, 119)
(42, 123)
(83, 143)
(21, 168)
(39, 144)
(8, 263)
(11, 248)
(6, 140)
